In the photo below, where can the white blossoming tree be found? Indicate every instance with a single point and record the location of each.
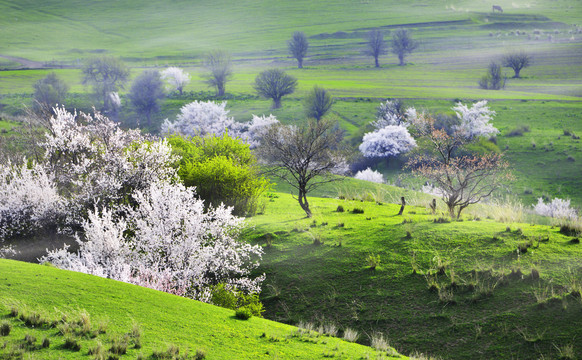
(557, 208)
(136, 222)
(475, 120)
(389, 141)
(175, 245)
(176, 78)
(203, 118)
(370, 175)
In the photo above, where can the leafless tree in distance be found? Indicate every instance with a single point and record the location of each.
(517, 61)
(376, 45)
(317, 103)
(274, 84)
(298, 47)
(402, 44)
(219, 70)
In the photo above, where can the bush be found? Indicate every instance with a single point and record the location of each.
(222, 169)
(233, 299)
(340, 208)
(5, 328)
(373, 261)
(493, 79)
(119, 345)
(243, 313)
(357, 211)
(519, 131)
(72, 343)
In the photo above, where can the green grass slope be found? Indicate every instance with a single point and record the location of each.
(460, 290)
(164, 320)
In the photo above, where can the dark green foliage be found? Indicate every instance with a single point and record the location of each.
(519, 131)
(243, 313)
(222, 169)
(357, 211)
(145, 93)
(340, 209)
(200, 354)
(233, 299)
(317, 103)
(46, 343)
(5, 328)
(72, 344)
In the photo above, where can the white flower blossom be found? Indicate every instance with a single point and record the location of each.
(475, 120)
(391, 140)
(370, 175)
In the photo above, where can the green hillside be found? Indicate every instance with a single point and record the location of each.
(460, 290)
(163, 319)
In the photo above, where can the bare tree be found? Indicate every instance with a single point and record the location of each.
(298, 47)
(517, 61)
(493, 79)
(274, 84)
(305, 157)
(48, 92)
(219, 67)
(376, 45)
(145, 93)
(462, 179)
(107, 74)
(402, 44)
(317, 103)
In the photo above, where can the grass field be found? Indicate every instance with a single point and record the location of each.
(461, 290)
(163, 319)
(483, 302)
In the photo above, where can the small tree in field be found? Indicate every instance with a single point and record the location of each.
(462, 179)
(402, 44)
(393, 112)
(298, 47)
(376, 45)
(305, 157)
(493, 79)
(517, 61)
(475, 120)
(176, 78)
(274, 84)
(48, 92)
(145, 93)
(219, 70)
(317, 103)
(106, 74)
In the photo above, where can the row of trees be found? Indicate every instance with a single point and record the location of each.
(401, 45)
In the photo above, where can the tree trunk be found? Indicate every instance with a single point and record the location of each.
(401, 58)
(304, 204)
(276, 103)
(451, 210)
(402, 205)
(516, 73)
(376, 60)
(220, 87)
(300, 63)
(459, 212)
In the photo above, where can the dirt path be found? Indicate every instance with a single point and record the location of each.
(26, 64)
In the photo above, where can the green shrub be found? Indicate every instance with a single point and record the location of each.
(234, 299)
(46, 343)
(119, 345)
(5, 328)
(357, 211)
(222, 169)
(243, 313)
(373, 261)
(340, 208)
(72, 343)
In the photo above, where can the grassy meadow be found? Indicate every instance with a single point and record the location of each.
(500, 284)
